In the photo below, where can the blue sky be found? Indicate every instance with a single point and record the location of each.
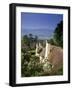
(42, 25)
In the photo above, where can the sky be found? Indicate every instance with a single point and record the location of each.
(39, 24)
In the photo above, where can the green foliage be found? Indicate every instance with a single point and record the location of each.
(58, 35)
(51, 41)
(60, 71)
(26, 40)
(32, 52)
(29, 41)
(30, 65)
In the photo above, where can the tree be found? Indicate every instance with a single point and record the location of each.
(30, 35)
(58, 34)
(36, 38)
(26, 40)
(51, 41)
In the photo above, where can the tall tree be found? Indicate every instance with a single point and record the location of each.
(58, 34)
